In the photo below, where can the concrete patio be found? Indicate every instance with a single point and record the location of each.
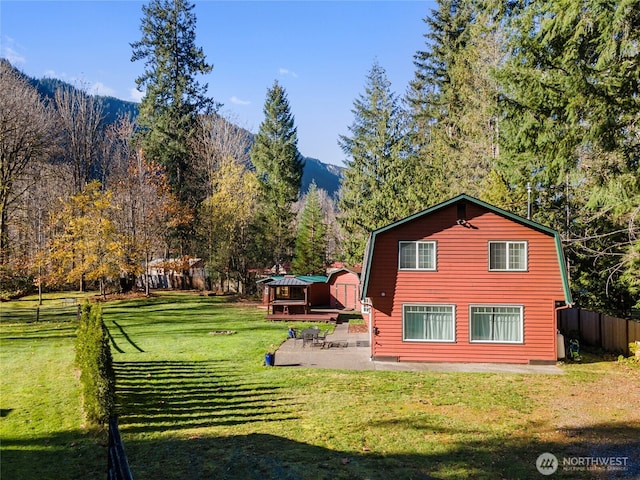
(350, 351)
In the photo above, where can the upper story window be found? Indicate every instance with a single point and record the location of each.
(508, 256)
(417, 256)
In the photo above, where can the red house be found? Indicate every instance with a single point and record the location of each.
(464, 281)
(344, 288)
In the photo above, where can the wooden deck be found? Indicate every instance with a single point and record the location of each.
(304, 317)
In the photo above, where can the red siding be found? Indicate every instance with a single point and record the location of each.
(345, 290)
(318, 294)
(265, 293)
(463, 279)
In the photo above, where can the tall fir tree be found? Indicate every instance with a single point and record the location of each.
(453, 100)
(378, 179)
(447, 35)
(572, 104)
(311, 237)
(173, 97)
(279, 168)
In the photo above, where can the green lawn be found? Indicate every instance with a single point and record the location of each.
(195, 401)
(41, 431)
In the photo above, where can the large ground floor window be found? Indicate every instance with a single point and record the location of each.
(502, 324)
(429, 322)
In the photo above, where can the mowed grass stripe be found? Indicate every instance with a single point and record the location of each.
(41, 429)
(197, 403)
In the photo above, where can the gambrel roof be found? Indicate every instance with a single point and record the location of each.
(368, 254)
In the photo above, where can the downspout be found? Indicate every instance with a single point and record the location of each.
(566, 306)
(371, 344)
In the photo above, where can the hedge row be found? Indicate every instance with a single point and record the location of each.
(93, 358)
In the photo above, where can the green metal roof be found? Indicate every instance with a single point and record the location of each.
(516, 218)
(284, 280)
(313, 278)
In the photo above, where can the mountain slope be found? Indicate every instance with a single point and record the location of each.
(326, 176)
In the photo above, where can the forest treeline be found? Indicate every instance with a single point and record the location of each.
(532, 106)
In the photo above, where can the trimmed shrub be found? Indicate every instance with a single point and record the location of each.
(93, 357)
(81, 336)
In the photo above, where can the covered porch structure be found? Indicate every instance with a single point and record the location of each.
(293, 298)
(289, 295)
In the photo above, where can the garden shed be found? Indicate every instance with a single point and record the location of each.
(344, 288)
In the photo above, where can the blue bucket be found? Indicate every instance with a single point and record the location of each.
(269, 359)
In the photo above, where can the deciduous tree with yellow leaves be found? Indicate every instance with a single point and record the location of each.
(85, 244)
(226, 215)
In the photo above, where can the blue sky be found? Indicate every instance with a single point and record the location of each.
(319, 51)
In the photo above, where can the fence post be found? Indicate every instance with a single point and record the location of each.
(580, 324)
(626, 337)
(118, 465)
(600, 331)
(37, 314)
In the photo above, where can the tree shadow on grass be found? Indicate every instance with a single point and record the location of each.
(39, 331)
(177, 397)
(173, 395)
(126, 337)
(260, 456)
(61, 455)
(257, 456)
(38, 315)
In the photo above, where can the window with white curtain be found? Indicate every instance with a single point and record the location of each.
(493, 323)
(417, 255)
(507, 256)
(435, 323)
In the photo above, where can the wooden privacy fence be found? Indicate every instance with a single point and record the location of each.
(595, 329)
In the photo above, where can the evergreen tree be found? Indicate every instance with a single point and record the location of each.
(446, 37)
(453, 101)
(378, 179)
(173, 97)
(311, 237)
(279, 167)
(572, 105)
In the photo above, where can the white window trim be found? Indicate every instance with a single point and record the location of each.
(507, 243)
(416, 242)
(365, 307)
(513, 342)
(417, 340)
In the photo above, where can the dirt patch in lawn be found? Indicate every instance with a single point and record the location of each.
(358, 328)
(596, 413)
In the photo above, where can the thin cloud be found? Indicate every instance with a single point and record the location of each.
(14, 57)
(101, 89)
(285, 71)
(236, 101)
(10, 53)
(135, 94)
